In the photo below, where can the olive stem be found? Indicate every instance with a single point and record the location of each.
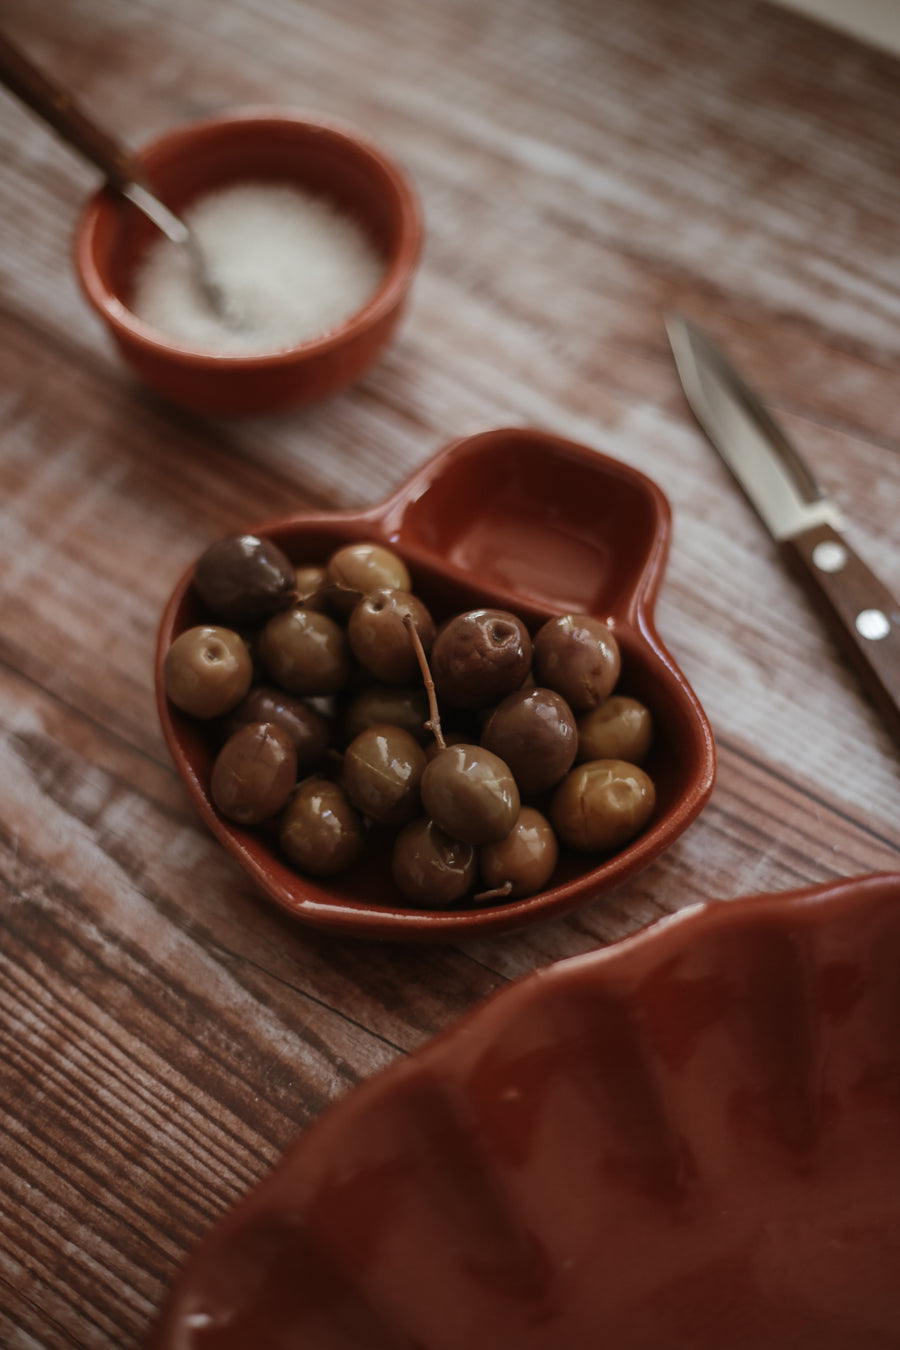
(434, 717)
(330, 588)
(497, 893)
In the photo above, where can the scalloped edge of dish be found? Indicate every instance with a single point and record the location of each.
(481, 1104)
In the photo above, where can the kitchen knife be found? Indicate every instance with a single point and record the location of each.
(861, 613)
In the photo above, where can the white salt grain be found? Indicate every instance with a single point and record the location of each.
(289, 265)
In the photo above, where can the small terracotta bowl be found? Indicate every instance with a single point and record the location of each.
(522, 521)
(322, 157)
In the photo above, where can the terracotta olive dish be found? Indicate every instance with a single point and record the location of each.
(691, 1138)
(316, 155)
(521, 521)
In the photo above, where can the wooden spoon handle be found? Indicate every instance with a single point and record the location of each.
(862, 614)
(57, 108)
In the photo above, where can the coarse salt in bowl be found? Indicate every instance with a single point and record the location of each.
(288, 267)
(313, 232)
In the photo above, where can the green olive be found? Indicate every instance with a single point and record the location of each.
(601, 805)
(207, 670)
(524, 860)
(320, 832)
(620, 728)
(305, 652)
(254, 773)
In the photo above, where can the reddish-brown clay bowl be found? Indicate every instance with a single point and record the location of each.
(689, 1139)
(526, 522)
(323, 157)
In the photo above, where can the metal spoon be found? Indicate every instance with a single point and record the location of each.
(123, 173)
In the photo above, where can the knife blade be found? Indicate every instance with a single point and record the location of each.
(859, 610)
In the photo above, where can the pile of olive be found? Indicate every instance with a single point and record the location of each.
(341, 708)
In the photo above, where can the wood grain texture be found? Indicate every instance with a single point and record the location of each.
(584, 168)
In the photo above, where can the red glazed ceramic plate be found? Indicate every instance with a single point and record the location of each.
(691, 1139)
(526, 522)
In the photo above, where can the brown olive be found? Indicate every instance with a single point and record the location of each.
(320, 832)
(533, 731)
(207, 670)
(306, 728)
(619, 728)
(601, 805)
(382, 770)
(429, 868)
(380, 639)
(361, 567)
(399, 705)
(578, 656)
(254, 773)
(310, 582)
(470, 793)
(244, 579)
(305, 652)
(524, 860)
(479, 657)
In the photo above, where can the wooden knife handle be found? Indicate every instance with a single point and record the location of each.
(861, 613)
(56, 107)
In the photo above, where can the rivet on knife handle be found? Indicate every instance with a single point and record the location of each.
(861, 613)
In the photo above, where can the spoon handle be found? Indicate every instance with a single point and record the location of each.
(57, 108)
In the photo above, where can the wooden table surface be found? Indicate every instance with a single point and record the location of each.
(584, 168)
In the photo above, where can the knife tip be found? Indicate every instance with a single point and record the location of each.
(678, 332)
(679, 325)
(690, 342)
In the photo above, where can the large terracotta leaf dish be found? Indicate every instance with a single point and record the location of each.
(688, 1141)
